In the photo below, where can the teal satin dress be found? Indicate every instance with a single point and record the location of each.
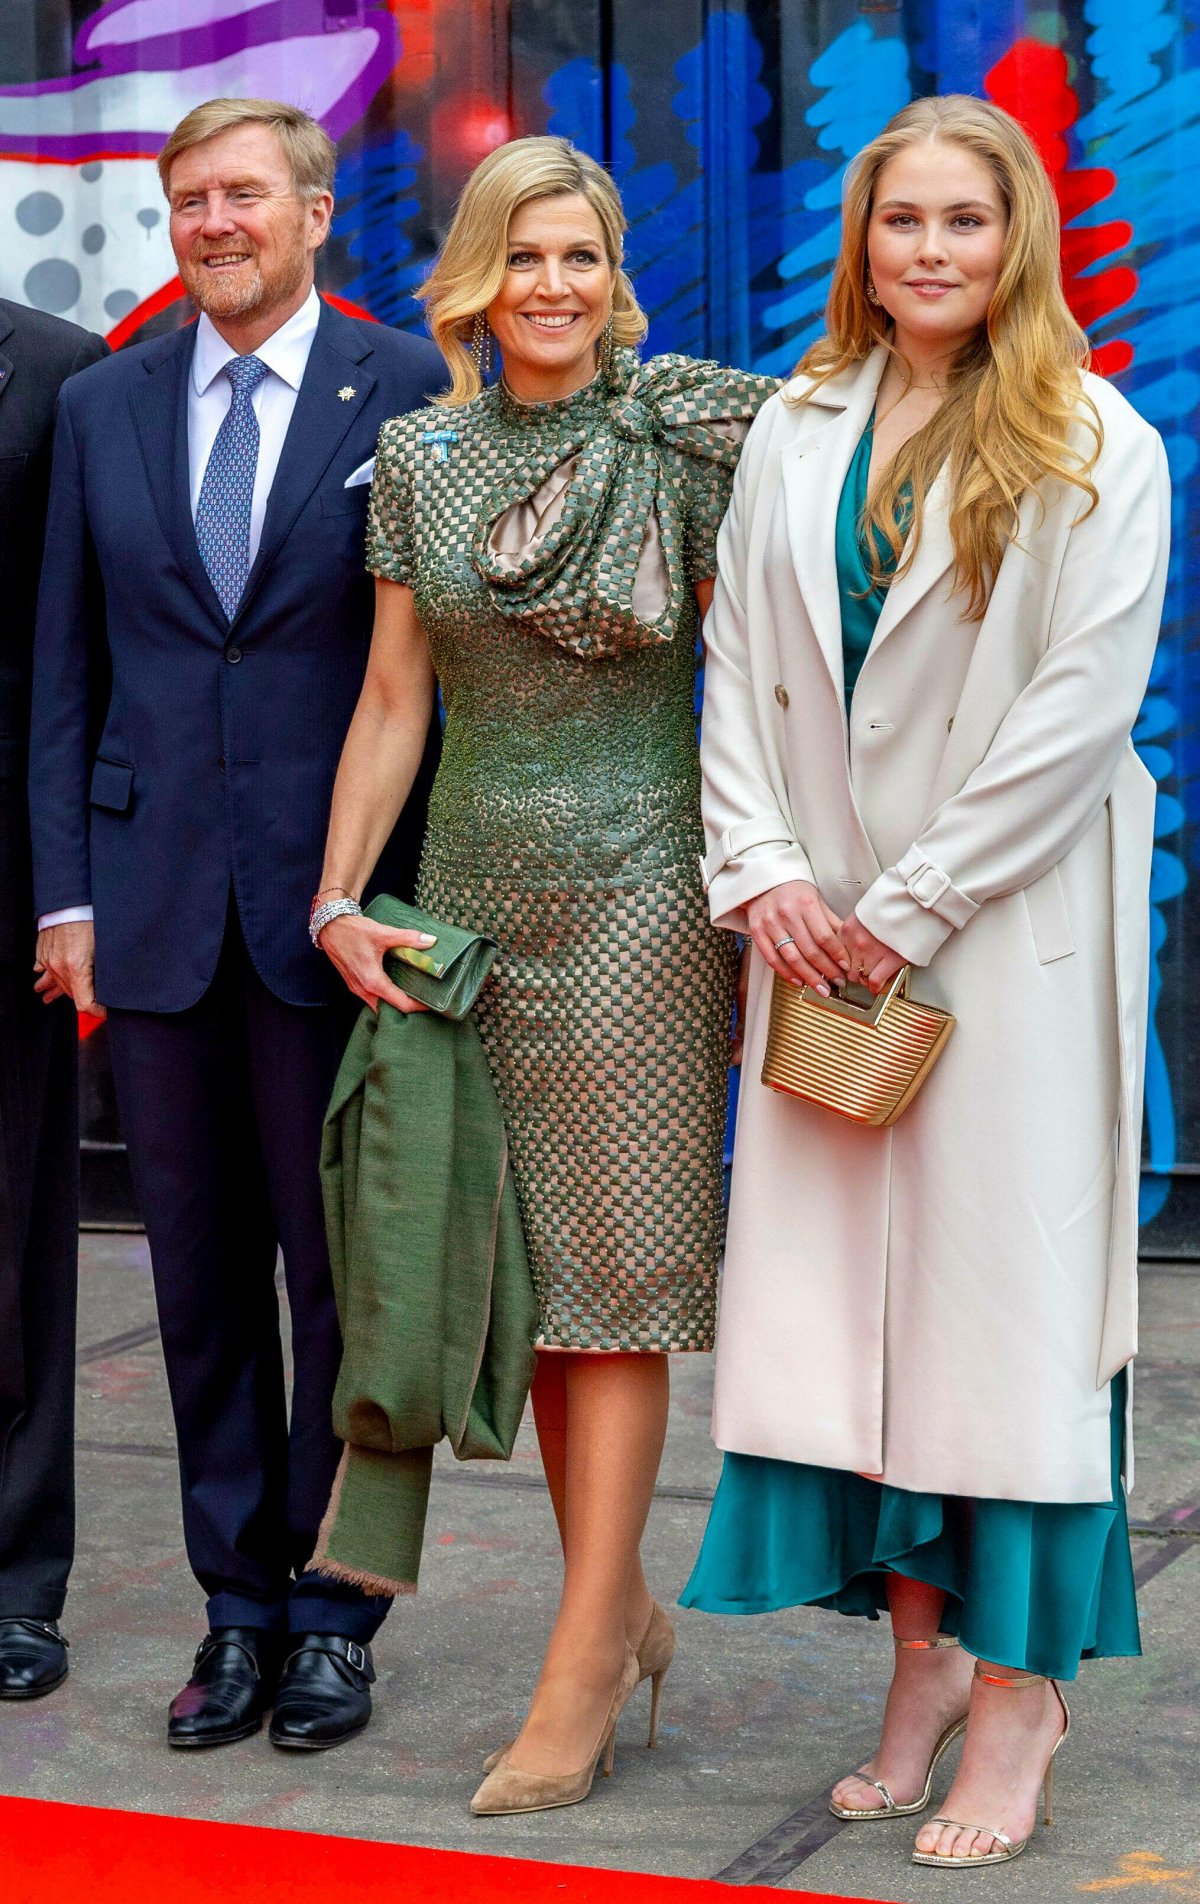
(1031, 1585)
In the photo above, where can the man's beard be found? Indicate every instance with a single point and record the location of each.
(246, 292)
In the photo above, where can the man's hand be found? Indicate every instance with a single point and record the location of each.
(65, 960)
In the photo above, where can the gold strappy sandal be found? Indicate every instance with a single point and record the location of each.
(1009, 1848)
(889, 1808)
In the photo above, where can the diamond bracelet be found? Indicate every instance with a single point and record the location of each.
(320, 916)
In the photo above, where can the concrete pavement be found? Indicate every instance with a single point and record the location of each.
(760, 1715)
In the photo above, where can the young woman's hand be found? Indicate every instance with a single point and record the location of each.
(872, 963)
(357, 946)
(798, 935)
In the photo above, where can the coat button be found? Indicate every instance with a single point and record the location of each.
(233, 654)
(781, 694)
(221, 762)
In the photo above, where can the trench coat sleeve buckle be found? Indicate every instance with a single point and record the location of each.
(934, 889)
(742, 838)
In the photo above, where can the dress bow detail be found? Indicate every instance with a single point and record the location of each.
(591, 552)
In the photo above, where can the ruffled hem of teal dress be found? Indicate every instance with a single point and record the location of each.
(1032, 1585)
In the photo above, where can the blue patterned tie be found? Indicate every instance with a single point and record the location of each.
(223, 512)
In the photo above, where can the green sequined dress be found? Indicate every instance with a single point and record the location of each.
(553, 550)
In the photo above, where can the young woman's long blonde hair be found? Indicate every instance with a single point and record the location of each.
(474, 259)
(1014, 393)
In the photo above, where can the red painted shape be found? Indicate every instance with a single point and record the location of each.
(348, 306)
(171, 293)
(1032, 83)
(142, 313)
(88, 1023)
(1109, 360)
(59, 1854)
(46, 158)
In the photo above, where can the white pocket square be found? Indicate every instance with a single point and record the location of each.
(362, 474)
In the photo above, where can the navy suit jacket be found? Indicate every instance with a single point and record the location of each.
(175, 754)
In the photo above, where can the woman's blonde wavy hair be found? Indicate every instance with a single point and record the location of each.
(1014, 393)
(474, 259)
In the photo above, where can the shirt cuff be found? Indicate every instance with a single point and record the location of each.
(66, 916)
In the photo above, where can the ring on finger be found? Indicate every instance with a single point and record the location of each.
(780, 943)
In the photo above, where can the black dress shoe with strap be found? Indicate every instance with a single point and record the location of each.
(324, 1693)
(33, 1658)
(232, 1684)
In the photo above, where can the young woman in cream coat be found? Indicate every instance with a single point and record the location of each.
(916, 748)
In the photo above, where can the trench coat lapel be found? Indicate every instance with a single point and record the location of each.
(934, 556)
(813, 470)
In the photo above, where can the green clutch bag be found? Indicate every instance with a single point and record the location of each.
(447, 976)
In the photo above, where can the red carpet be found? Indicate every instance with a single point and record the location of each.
(75, 1854)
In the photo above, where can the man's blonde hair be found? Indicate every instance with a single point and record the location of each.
(310, 152)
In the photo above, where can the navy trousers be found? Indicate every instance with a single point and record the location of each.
(39, 1241)
(222, 1107)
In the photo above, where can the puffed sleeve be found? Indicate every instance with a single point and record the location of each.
(390, 540)
(727, 405)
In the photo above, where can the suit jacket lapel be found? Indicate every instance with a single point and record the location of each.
(320, 419)
(160, 413)
(813, 471)
(6, 362)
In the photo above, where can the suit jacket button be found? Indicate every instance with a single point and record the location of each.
(781, 694)
(221, 762)
(233, 654)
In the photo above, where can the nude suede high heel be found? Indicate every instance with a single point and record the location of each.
(889, 1807)
(507, 1789)
(654, 1652)
(1008, 1848)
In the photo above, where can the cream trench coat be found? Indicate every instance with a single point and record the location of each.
(946, 1302)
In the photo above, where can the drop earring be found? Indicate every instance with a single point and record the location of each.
(872, 293)
(604, 351)
(481, 346)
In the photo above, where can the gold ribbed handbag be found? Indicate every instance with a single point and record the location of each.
(865, 1061)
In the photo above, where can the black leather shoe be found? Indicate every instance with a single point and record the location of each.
(324, 1693)
(33, 1658)
(230, 1689)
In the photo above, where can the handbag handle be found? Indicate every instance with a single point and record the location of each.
(869, 1013)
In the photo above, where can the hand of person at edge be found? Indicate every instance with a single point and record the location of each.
(799, 936)
(356, 946)
(872, 963)
(65, 961)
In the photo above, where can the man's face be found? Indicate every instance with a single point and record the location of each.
(243, 240)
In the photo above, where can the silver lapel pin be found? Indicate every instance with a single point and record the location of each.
(346, 392)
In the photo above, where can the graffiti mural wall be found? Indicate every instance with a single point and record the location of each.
(728, 129)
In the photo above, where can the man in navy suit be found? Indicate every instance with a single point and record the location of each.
(203, 628)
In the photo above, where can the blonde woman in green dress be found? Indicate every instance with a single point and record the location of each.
(544, 546)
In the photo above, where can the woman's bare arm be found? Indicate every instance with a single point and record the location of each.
(380, 759)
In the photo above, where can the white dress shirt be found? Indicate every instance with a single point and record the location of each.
(285, 354)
